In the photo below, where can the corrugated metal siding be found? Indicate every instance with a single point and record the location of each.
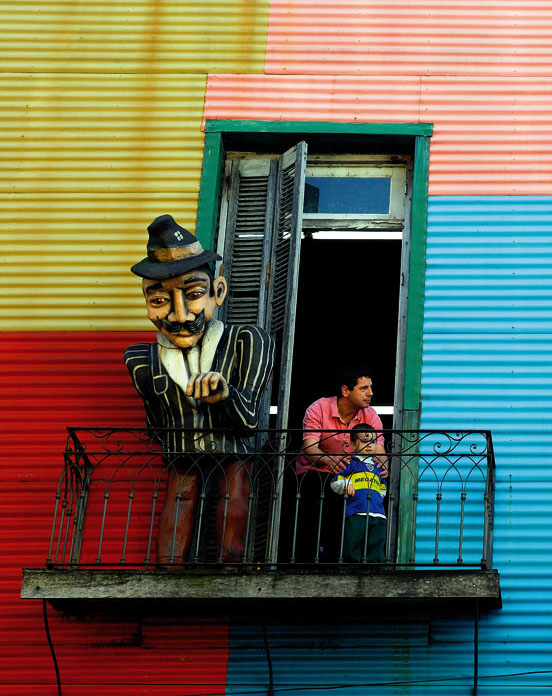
(489, 266)
(88, 163)
(134, 36)
(379, 655)
(49, 381)
(101, 133)
(487, 364)
(491, 135)
(313, 98)
(483, 37)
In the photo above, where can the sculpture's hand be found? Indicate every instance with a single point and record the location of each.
(209, 387)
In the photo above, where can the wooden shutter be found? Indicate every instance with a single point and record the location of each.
(261, 263)
(262, 243)
(282, 301)
(247, 244)
(286, 247)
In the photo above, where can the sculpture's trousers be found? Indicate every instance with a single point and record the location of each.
(177, 520)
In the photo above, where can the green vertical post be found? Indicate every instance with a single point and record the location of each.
(210, 190)
(413, 349)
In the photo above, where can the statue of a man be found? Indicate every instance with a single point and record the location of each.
(199, 374)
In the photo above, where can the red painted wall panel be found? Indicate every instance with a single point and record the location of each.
(49, 381)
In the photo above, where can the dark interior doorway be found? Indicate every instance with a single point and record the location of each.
(347, 311)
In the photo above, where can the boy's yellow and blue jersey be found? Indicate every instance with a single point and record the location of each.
(365, 477)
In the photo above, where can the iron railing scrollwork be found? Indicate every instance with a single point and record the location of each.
(114, 482)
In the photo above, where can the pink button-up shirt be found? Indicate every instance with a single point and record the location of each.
(323, 415)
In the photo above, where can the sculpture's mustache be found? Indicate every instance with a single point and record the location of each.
(195, 326)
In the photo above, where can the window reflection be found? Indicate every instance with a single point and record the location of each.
(347, 195)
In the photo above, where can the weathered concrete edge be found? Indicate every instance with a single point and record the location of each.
(158, 584)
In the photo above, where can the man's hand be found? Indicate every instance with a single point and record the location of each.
(338, 463)
(322, 461)
(381, 463)
(350, 490)
(209, 387)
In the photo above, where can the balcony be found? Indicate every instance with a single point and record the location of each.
(108, 503)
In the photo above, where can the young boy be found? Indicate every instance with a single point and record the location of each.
(362, 483)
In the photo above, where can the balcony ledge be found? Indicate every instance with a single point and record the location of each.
(199, 589)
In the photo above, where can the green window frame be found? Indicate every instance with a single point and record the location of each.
(217, 131)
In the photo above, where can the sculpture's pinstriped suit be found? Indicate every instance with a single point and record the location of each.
(244, 356)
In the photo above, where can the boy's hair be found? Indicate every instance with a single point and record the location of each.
(360, 428)
(350, 375)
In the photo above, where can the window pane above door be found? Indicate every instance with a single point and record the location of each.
(355, 195)
(349, 195)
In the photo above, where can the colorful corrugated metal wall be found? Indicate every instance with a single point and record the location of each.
(487, 364)
(101, 132)
(481, 72)
(491, 135)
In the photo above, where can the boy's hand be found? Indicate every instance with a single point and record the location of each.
(350, 490)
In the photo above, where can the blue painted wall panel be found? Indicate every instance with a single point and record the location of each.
(489, 265)
(487, 364)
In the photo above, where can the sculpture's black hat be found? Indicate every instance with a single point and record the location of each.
(172, 250)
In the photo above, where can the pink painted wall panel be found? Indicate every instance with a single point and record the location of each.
(410, 37)
(491, 135)
(313, 98)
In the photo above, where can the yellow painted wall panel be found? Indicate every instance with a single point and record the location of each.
(85, 165)
(124, 36)
(99, 133)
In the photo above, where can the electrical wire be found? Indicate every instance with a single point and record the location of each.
(51, 645)
(269, 662)
(329, 687)
(297, 689)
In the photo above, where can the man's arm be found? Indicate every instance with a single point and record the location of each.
(320, 459)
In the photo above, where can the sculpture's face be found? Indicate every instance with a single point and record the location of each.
(180, 307)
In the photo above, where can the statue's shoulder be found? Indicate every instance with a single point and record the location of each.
(139, 352)
(251, 330)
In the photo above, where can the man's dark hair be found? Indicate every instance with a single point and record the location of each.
(360, 428)
(349, 376)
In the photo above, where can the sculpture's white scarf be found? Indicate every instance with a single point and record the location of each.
(180, 364)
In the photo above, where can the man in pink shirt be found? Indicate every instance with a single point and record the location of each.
(328, 453)
(325, 451)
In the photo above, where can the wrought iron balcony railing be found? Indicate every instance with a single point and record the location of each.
(114, 484)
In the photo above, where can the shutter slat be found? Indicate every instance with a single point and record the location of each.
(246, 246)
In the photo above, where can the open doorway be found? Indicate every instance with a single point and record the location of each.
(347, 312)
